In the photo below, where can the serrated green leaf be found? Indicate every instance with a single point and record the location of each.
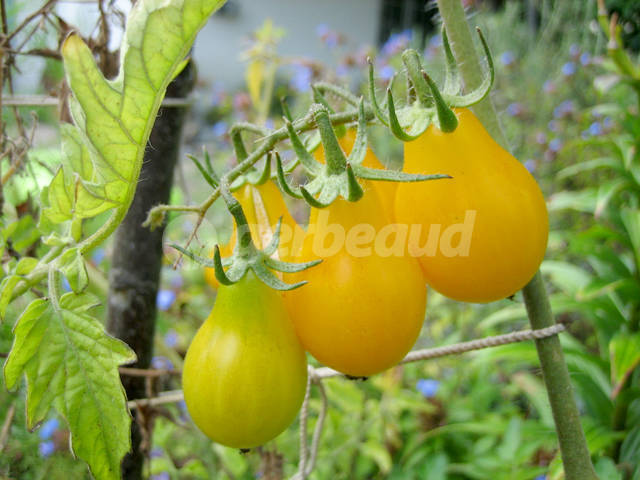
(624, 350)
(71, 363)
(73, 267)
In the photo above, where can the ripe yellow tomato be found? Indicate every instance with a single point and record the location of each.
(245, 373)
(483, 232)
(263, 205)
(362, 310)
(386, 190)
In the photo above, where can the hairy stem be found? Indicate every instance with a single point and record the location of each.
(573, 446)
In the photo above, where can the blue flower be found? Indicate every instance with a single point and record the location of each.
(176, 281)
(530, 165)
(98, 255)
(171, 338)
(386, 72)
(553, 125)
(301, 79)
(48, 428)
(507, 58)
(607, 122)
(565, 109)
(596, 129)
(541, 138)
(161, 476)
(396, 43)
(585, 59)
(156, 452)
(161, 363)
(342, 70)
(331, 40)
(541, 477)
(555, 145)
(322, 29)
(219, 128)
(269, 123)
(574, 50)
(46, 448)
(436, 41)
(568, 69)
(165, 299)
(549, 87)
(428, 387)
(515, 109)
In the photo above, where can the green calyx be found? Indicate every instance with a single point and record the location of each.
(246, 256)
(427, 103)
(339, 174)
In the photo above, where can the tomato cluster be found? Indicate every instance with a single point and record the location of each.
(478, 236)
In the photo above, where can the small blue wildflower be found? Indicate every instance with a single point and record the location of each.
(507, 58)
(219, 128)
(98, 255)
(541, 477)
(553, 126)
(607, 122)
(541, 138)
(568, 69)
(161, 476)
(436, 41)
(565, 109)
(322, 29)
(515, 109)
(165, 299)
(549, 87)
(396, 43)
(331, 39)
(48, 428)
(46, 449)
(269, 123)
(530, 165)
(585, 59)
(176, 281)
(171, 338)
(574, 50)
(161, 363)
(428, 387)
(386, 72)
(156, 452)
(596, 129)
(342, 70)
(555, 145)
(301, 78)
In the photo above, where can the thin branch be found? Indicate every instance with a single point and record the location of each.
(6, 427)
(49, 101)
(148, 372)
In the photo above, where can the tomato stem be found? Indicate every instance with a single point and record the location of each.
(573, 446)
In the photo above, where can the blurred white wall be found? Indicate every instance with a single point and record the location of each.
(218, 47)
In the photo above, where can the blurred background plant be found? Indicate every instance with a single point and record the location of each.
(568, 98)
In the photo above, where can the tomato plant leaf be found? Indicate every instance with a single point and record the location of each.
(71, 363)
